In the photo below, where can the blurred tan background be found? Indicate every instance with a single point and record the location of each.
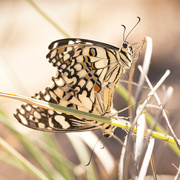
(25, 36)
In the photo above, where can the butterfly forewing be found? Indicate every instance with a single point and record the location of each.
(85, 68)
(78, 60)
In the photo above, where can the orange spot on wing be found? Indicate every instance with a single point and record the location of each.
(60, 50)
(97, 88)
(68, 62)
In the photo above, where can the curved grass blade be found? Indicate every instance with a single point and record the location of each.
(35, 6)
(120, 123)
(26, 164)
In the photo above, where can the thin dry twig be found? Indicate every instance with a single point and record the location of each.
(178, 174)
(149, 96)
(141, 133)
(147, 158)
(140, 109)
(163, 112)
(132, 73)
(153, 167)
(146, 64)
(121, 162)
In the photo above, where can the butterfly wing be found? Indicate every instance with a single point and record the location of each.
(83, 60)
(48, 120)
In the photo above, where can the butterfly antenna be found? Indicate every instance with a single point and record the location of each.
(139, 19)
(92, 152)
(124, 31)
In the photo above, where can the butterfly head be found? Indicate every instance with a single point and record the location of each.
(126, 53)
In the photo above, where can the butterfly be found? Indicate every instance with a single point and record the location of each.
(87, 75)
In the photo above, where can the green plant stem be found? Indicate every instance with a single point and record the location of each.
(34, 5)
(120, 123)
(32, 169)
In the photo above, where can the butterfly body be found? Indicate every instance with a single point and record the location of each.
(87, 75)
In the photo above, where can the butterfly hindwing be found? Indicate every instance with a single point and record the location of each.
(48, 120)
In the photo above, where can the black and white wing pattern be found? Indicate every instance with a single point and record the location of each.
(82, 59)
(47, 120)
(89, 65)
(85, 68)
